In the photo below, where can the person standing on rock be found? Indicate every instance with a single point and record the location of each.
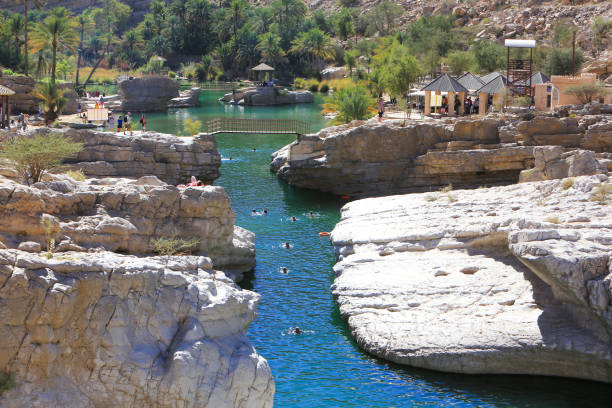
(143, 123)
(381, 108)
(119, 124)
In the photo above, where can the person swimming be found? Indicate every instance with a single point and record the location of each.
(284, 270)
(297, 330)
(293, 218)
(310, 213)
(265, 211)
(254, 212)
(287, 245)
(254, 149)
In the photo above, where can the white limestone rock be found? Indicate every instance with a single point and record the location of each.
(108, 330)
(512, 280)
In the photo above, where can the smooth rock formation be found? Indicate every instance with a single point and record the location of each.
(187, 99)
(125, 216)
(268, 95)
(333, 73)
(105, 330)
(377, 158)
(25, 102)
(551, 162)
(504, 280)
(147, 94)
(170, 158)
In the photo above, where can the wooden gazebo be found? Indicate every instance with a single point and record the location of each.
(5, 109)
(448, 84)
(265, 68)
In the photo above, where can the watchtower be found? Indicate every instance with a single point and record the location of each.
(519, 70)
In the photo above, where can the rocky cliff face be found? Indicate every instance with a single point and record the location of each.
(512, 280)
(170, 158)
(147, 94)
(24, 101)
(377, 158)
(125, 216)
(107, 330)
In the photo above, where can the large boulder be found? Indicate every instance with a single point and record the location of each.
(272, 95)
(552, 162)
(502, 280)
(147, 94)
(23, 100)
(187, 99)
(106, 330)
(333, 73)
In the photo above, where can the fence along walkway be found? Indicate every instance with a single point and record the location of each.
(258, 126)
(219, 86)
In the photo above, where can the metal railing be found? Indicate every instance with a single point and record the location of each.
(258, 126)
(218, 86)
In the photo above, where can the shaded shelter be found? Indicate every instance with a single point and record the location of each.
(445, 83)
(262, 68)
(496, 88)
(5, 109)
(470, 81)
(491, 76)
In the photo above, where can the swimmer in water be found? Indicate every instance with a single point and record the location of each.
(254, 149)
(231, 158)
(283, 269)
(293, 219)
(265, 211)
(297, 330)
(254, 212)
(287, 245)
(310, 213)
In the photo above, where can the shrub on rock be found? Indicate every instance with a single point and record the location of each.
(33, 156)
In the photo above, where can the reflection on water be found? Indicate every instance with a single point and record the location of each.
(323, 367)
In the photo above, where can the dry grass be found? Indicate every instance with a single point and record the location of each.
(173, 245)
(553, 219)
(567, 183)
(601, 193)
(447, 189)
(77, 175)
(431, 198)
(101, 75)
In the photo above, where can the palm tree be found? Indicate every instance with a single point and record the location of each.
(350, 104)
(269, 45)
(38, 4)
(84, 24)
(15, 27)
(315, 44)
(52, 98)
(130, 39)
(55, 32)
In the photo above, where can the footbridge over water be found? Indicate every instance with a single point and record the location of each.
(258, 126)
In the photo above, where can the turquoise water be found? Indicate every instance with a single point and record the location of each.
(323, 367)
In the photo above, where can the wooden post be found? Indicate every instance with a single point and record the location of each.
(461, 103)
(451, 103)
(427, 103)
(483, 100)
(574, 53)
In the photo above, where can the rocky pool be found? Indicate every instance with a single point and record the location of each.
(323, 367)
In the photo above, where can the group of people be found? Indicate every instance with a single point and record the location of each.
(124, 123)
(469, 106)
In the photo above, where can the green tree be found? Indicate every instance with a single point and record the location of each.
(350, 104)
(383, 17)
(602, 30)
(350, 60)
(205, 68)
(586, 92)
(559, 61)
(57, 33)
(343, 23)
(52, 99)
(84, 24)
(401, 73)
(459, 62)
(269, 46)
(488, 55)
(315, 44)
(26, 3)
(15, 27)
(33, 156)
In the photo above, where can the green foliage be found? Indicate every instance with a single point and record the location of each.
(350, 60)
(52, 99)
(315, 45)
(205, 68)
(343, 23)
(401, 73)
(324, 88)
(33, 156)
(192, 127)
(601, 29)
(562, 34)
(489, 56)
(173, 245)
(382, 19)
(460, 62)
(77, 175)
(354, 103)
(7, 382)
(586, 92)
(57, 33)
(559, 61)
